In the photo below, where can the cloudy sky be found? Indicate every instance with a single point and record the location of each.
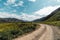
(27, 9)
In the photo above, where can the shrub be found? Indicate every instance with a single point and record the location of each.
(13, 30)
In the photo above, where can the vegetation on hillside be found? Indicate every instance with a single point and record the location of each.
(8, 31)
(54, 16)
(55, 23)
(55, 19)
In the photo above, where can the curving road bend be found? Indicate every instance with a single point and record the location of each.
(45, 32)
(48, 35)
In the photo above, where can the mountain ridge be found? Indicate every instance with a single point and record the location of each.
(46, 18)
(10, 20)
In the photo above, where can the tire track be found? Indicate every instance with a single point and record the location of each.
(33, 35)
(45, 32)
(48, 35)
(39, 35)
(56, 33)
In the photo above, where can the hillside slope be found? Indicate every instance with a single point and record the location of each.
(54, 16)
(10, 20)
(54, 19)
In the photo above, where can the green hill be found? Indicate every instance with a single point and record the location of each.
(55, 16)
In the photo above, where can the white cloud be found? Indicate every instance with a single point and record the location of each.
(23, 16)
(19, 4)
(46, 10)
(11, 1)
(5, 15)
(40, 13)
(58, 0)
(29, 17)
(32, 0)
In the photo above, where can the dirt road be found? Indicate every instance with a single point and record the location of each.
(45, 32)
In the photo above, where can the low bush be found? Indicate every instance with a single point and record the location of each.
(8, 31)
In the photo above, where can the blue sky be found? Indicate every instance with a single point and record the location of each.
(27, 9)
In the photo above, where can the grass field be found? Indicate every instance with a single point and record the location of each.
(8, 31)
(55, 23)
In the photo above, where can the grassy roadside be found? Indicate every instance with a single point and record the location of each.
(8, 31)
(55, 23)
